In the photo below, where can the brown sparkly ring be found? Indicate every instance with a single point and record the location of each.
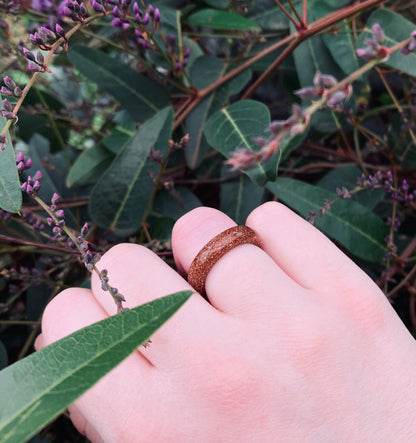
(217, 248)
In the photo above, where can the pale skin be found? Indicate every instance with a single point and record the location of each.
(296, 344)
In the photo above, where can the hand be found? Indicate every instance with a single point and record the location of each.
(296, 343)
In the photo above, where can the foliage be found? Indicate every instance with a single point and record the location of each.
(120, 116)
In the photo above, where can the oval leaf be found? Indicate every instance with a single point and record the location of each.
(140, 96)
(35, 390)
(234, 127)
(351, 224)
(212, 18)
(119, 199)
(10, 193)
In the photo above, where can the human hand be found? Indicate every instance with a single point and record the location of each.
(296, 344)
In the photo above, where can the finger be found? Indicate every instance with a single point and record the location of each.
(245, 281)
(141, 276)
(100, 413)
(304, 253)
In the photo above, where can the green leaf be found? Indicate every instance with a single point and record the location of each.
(342, 48)
(239, 197)
(348, 222)
(89, 165)
(10, 193)
(397, 29)
(212, 18)
(140, 96)
(36, 389)
(266, 14)
(234, 127)
(119, 199)
(205, 71)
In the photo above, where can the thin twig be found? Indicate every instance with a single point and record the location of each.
(287, 13)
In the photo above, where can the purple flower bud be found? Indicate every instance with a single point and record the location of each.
(28, 164)
(36, 39)
(84, 230)
(40, 58)
(187, 52)
(117, 23)
(38, 174)
(378, 33)
(33, 67)
(116, 12)
(307, 92)
(51, 221)
(8, 115)
(29, 189)
(151, 10)
(17, 92)
(97, 6)
(83, 10)
(157, 15)
(23, 187)
(59, 30)
(136, 9)
(67, 12)
(146, 19)
(28, 54)
(36, 186)
(55, 198)
(20, 157)
(20, 166)
(46, 33)
(9, 82)
(56, 230)
(336, 98)
(6, 105)
(366, 53)
(6, 91)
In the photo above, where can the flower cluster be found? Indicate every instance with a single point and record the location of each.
(105, 286)
(10, 88)
(33, 220)
(373, 46)
(322, 84)
(42, 39)
(7, 110)
(32, 184)
(74, 10)
(57, 222)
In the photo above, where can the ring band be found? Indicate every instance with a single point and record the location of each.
(217, 248)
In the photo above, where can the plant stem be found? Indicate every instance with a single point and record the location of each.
(287, 13)
(312, 29)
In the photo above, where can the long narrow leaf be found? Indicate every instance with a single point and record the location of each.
(35, 390)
